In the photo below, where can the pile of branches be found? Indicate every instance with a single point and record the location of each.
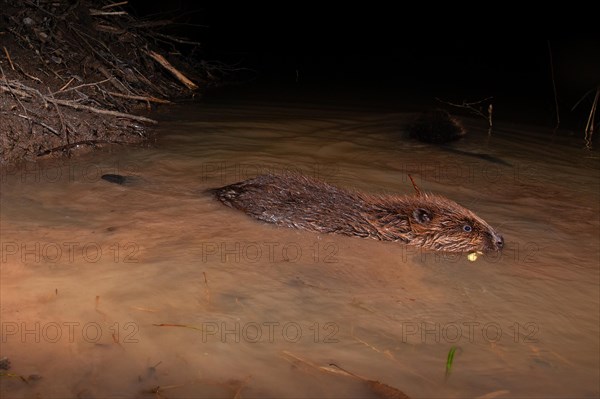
(77, 74)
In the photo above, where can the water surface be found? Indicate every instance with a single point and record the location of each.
(114, 291)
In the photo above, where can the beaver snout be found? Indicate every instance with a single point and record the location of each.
(495, 241)
(499, 241)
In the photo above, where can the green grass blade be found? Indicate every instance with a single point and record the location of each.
(450, 360)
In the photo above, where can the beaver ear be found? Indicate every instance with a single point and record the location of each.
(422, 215)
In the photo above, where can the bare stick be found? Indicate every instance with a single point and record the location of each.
(417, 189)
(471, 107)
(66, 85)
(589, 127)
(110, 78)
(78, 143)
(554, 86)
(29, 76)
(18, 92)
(146, 81)
(67, 103)
(207, 290)
(64, 90)
(109, 29)
(150, 24)
(41, 9)
(382, 390)
(11, 90)
(21, 89)
(466, 104)
(62, 121)
(140, 98)
(98, 12)
(177, 40)
(9, 60)
(28, 89)
(121, 3)
(583, 98)
(181, 77)
(53, 130)
(101, 111)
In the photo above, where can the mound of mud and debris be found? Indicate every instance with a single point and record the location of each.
(82, 74)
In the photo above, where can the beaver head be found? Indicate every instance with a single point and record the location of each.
(437, 223)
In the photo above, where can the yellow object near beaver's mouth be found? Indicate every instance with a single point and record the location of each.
(473, 256)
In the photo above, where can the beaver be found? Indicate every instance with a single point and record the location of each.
(436, 126)
(425, 220)
(440, 128)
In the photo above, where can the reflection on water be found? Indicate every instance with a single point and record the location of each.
(156, 290)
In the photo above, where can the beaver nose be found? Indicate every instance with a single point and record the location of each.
(499, 241)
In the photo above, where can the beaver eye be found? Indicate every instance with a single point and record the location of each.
(467, 228)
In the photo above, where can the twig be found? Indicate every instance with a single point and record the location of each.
(29, 76)
(62, 120)
(176, 39)
(121, 3)
(589, 127)
(149, 83)
(98, 12)
(9, 60)
(109, 29)
(100, 68)
(381, 389)
(101, 111)
(181, 77)
(41, 9)
(66, 85)
(494, 394)
(587, 93)
(63, 90)
(40, 123)
(36, 91)
(11, 90)
(238, 392)
(466, 104)
(111, 78)
(100, 43)
(178, 325)
(207, 290)
(471, 107)
(151, 24)
(24, 90)
(84, 142)
(417, 189)
(69, 103)
(140, 98)
(554, 86)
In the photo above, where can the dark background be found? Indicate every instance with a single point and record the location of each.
(372, 51)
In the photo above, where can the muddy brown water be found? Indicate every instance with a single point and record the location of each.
(113, 291)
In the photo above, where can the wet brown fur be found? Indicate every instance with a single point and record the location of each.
(425, 220)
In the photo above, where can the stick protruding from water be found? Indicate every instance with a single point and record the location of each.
(417, 189)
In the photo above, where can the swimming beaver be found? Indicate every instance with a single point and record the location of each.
(425, 220)
(436, 126)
